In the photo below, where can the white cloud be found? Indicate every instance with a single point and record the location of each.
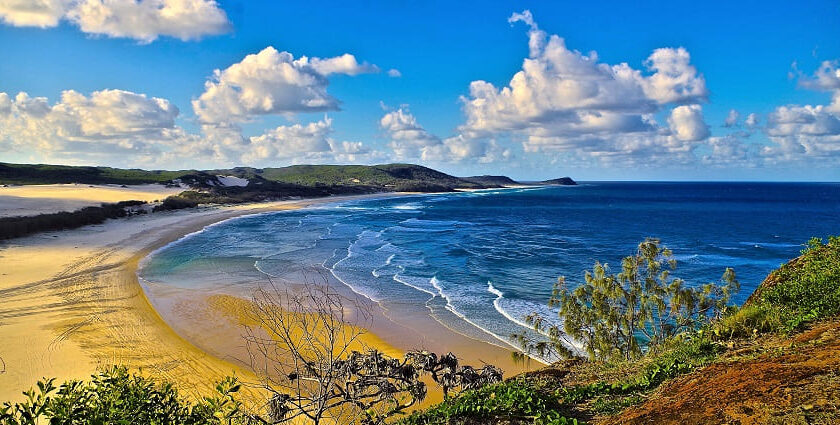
(800, 132)
(303, 143)
(142, 20)
(272, 82)
(752, 120)
(106, 123)
(410, 141)
(344, 64)
(825, 78)
(33, 13)
(686, 123)
(731, 118)
(565, 101)
(394, 73)
(675, 80)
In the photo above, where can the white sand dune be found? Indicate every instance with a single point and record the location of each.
(44, 199)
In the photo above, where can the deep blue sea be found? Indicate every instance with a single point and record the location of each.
(488, 258)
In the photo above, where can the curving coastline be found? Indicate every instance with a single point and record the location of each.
(71, 302)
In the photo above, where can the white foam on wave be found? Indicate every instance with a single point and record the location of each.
(407, 281)
(436, 284)
(408, 207)
(497, 305)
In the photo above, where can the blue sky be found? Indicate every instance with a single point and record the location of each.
(742, 57)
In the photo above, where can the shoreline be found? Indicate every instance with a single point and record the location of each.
(71, 302)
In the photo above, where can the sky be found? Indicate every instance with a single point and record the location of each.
(604, 90)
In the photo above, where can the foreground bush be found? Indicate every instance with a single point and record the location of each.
(115, 396)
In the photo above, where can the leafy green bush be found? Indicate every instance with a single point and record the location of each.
(516, 400)
(115, 396)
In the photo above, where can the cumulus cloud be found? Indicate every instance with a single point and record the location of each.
(33, 13)
(563, 100)
(142, 20)
(807, 131)
(105, 123)
(122, 127)
(752, 120)
(272, 82)
(686, 123)
(825, 78)
(410, 141)
(731, 118)
(394, 73)
(304, 143)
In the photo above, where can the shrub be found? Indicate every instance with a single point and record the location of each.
(14, 227)
(747, 321)
(615, 317)
(115, 396)
(175, 202)
(516, 400)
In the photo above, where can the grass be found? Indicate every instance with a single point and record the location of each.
(802, 291)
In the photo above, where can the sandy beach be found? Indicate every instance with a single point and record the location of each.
(51, 198)
(70, 303)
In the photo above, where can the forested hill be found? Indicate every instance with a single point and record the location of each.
(386, 177)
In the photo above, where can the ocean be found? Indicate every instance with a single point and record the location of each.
(481, 261)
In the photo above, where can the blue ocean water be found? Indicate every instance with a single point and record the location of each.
(480, 261)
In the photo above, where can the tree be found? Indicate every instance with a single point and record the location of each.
(612, 317)
(306, 348)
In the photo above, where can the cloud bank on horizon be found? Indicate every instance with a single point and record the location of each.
(562, 105)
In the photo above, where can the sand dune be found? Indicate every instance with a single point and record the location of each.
(50, 198)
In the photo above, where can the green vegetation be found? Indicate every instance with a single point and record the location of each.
(387, 177)
(515, 401)
(115, 396)
(14, 227)
(52, 174)
(382, 176)
(800, 292)
(617, 316)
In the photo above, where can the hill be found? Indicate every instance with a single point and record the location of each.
(341, 178)
(499, 181)
(60, 174)
(562, 181)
